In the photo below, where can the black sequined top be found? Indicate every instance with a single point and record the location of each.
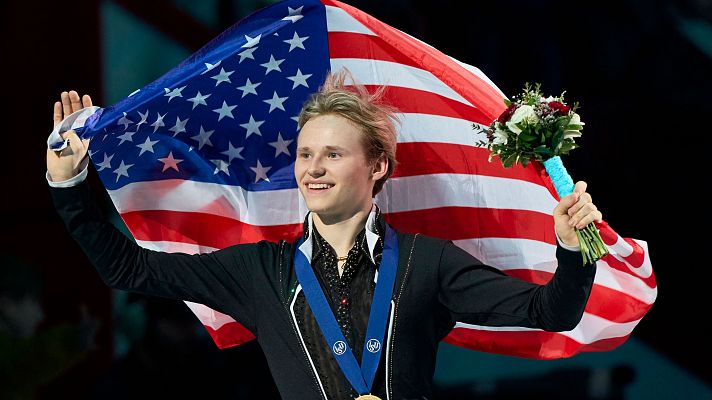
(350, 298)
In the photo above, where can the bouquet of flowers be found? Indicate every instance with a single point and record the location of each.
(534, 127)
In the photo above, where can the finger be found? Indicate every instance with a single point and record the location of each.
(589, 218)
(86, 101)
(580, 188)
(75, 101)
(584, 199)
(66, 106)
(580, 218)
(565, 205)
(57, 115)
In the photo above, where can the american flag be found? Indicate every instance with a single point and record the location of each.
(203, 157)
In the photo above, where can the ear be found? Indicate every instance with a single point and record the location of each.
(379, 169)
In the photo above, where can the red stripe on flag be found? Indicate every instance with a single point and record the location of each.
(230, 334)
(409, 100)
(624, 309)
(421, 158)
(202, 229)
(369, 47)
(221, 232)
(464, 82)
(637, 257)
(622, 266)
(532, 344)
(471, 222)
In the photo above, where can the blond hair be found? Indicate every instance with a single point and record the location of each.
(375, 119)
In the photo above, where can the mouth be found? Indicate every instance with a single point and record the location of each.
(318, 187)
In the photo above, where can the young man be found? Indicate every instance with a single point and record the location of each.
(353, 308)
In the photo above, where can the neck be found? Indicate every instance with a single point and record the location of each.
(341, 232)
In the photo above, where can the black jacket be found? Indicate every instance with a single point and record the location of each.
(437, 284)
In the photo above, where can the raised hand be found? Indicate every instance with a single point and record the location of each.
(72, 160)
(575, 211)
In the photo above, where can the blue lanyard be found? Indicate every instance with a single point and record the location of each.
(361, 378)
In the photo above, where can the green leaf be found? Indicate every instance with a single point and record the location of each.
(508, 161)
(544, 151)
(558, 137)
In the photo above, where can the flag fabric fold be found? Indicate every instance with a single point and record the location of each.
(203, 158)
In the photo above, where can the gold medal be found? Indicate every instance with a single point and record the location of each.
(368, 397)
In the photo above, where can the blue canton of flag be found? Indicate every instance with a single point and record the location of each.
(226, 115)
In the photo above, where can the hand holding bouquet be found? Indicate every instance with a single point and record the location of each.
(537, 128)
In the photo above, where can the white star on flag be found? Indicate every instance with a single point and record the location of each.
(203, 138)
(224, 111)
(144, 118)
(295, 14)
(249, 87)
(275, 102)
(222, 77)
(174, 93)
(179, 126)
(146, 146)
(126, 136)
(252, 126)
(281, 145)
(106, 163)
(122, 170)
(232, 152)
(272, 65)
(296, 42)
(220, 166)
(199, 99)
(252, 41)
(159, 122)
(260, 172)
(124, 121)
(299, 79)
(247, 54)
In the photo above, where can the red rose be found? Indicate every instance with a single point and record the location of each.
(507, 114)
(559, 107)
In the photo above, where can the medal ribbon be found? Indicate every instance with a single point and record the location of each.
(361, 378)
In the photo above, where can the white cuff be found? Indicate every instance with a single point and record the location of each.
(566, 246)
(73, 181)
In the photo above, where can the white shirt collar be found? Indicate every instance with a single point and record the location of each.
(371, 236)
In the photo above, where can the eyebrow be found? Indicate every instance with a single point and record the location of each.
(326, 147)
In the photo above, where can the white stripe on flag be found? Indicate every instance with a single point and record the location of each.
(421, 192)
(387, 73)
(338, 20)
(591, 329)
(535, 255)
(287, 206)
(416, 127)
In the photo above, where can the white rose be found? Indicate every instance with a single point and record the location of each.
(524, 113)
(573, 133)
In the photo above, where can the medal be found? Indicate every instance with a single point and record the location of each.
(360, 376)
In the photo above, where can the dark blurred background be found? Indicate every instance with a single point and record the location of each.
(640, 70)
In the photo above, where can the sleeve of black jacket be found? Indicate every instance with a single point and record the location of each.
(478, 294)
(219, 280)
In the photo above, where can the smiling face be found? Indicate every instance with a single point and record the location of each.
(332, 170)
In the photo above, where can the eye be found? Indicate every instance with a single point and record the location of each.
(304, 155)
(334, 155)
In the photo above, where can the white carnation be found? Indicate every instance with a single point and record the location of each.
(524, 113)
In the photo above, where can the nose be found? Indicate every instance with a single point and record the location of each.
(315, 169)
